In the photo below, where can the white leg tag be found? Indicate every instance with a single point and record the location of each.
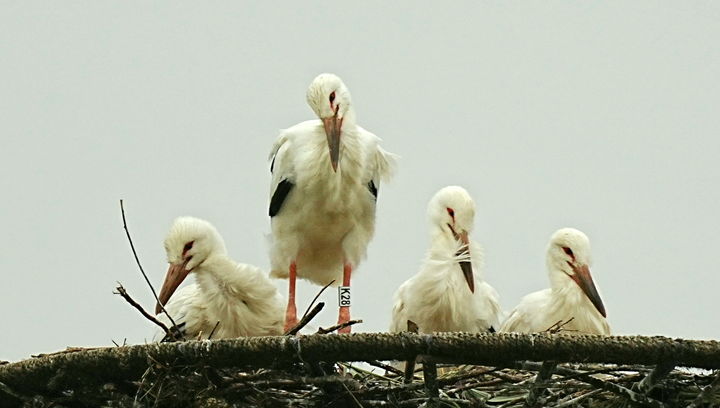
(344, 295)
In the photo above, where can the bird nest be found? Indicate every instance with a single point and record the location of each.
(379, 385)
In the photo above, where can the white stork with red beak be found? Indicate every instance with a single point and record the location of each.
(240, 299)
(448, 293)
(572, 299)
(326, 175)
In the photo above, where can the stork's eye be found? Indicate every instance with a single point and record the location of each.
(188, 247)
(569, 252)
(332, 97)
(451, 212)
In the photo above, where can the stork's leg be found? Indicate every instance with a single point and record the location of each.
(344, 314)
(291, 311)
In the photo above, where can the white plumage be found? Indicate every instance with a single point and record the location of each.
(448, 293)
(325, 178)
(572, 293)
(240, 297)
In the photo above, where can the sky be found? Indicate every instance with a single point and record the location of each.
(602, 116)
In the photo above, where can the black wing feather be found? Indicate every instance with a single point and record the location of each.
(373, 189)
(279, 196)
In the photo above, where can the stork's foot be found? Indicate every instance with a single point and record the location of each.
(344, 317)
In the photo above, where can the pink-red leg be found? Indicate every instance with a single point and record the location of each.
(344, 314)
(291, 312)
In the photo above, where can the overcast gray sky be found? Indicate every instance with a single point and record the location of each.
(598, 115)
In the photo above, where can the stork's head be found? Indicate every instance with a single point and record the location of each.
(568, 257)
(329, 98)
(188, 244)
(452, 212)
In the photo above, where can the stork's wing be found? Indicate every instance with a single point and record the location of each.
(282, 172)
(488, 318)
(279, 195)
(514, 322)
(373, 189)
(528, 315)
(399, 319)
(184, 311)
(382, 162)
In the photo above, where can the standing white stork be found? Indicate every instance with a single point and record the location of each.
(448, 293)
(572, 293)
(242, 298)
(325, 179)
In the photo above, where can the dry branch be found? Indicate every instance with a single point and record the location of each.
(338, 326)
(650, 380)
(137, 261)
(305, 320)
(312, 302)
(122, 292)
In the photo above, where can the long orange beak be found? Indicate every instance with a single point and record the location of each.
(175, 275)
(333, 126)
(466, 266)
(583, 278)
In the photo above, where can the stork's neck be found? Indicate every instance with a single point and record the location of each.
(442, 243)
(567, 301)
(219, 277)
(349, 118)
(562, 286)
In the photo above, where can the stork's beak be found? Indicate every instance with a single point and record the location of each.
(333, 126)
(175, 275)
(466, 265)
(583, 278)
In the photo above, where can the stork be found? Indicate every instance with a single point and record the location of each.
(325, 179)
(448, 293)
(572, 298)
(240, 297)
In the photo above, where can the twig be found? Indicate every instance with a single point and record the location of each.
(386, 367)
(67, 350)
(572, 402)
(305, 320)
(558, 326)
(351, 395)
(137, 260)
(474, 384)
(706, 392)
(633, 397)
(412, 327)
(317, 296)
(430, 379)
(657, 374)
(338, 326)
(7, 390)
(122, 292)
(213, 330)
(538, 387)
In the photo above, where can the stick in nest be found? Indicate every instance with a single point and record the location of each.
(306, 319)
(317, 296)
(137, 260)
(412, 327)
(213, 330)
(559, 326)
(338, 326)
(122, 292)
